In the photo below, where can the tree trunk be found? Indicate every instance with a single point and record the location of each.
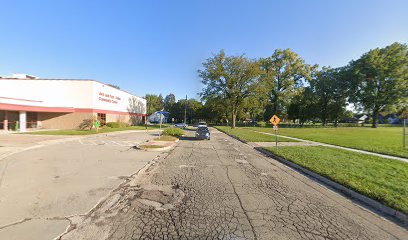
(375, 118)
(234, 116)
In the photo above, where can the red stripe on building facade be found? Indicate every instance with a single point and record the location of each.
(15, 107)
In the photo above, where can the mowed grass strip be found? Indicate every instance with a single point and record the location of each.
(251, 136)
(378, 178)
(386, 140)
(93, 131)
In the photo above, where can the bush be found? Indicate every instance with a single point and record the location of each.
(261, 124)
(87, 124)
(113, 124)
(175, 132)
(116, 124)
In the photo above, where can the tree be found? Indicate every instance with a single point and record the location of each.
(304, 107)
(153, 103)
(194, 108)
(160, 102)
(169, 101)
(331, 92)
(380, 79)
(214, 110)
(232, 78)
(282, 75)
(254, 106)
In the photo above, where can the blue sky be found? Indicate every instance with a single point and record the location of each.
(157, 46)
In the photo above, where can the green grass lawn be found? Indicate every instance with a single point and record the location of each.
(378, 178)
(387, 140)
(250, 136)
(93, 131)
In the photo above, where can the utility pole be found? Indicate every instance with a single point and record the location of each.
(185, 112)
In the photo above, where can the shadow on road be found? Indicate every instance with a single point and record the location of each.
(189, 138)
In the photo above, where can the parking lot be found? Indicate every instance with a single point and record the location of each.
(51, 179)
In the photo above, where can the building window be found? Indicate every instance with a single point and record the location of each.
(102, 118)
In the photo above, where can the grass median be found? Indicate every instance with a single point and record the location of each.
(93, 131)
(378, 178)
(251, 136)
(386, 140)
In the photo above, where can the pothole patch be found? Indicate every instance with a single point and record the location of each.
(161, 199)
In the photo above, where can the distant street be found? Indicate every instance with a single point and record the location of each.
(224, 189)
(43, 189)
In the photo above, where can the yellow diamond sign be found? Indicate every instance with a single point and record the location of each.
(274, 120)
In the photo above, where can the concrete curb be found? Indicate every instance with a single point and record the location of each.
(162, 148)
(346, 191)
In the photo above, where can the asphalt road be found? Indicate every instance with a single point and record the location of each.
(43, 190)
(224, 189)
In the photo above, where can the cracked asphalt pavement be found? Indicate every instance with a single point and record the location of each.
(224, 189)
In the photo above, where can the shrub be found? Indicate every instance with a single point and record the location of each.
(113, 124)
(261, 124)
(87, 124)
(175, 132)
(116, 124)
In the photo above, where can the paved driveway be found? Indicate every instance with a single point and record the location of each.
(43, 189)
(10, 143)
(224, 189)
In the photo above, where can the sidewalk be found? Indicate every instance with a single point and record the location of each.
(14, 143)
(339, 147)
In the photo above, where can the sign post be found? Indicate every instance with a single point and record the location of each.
(275, 121)
(161, 119)
(160, 125)
(97, 124)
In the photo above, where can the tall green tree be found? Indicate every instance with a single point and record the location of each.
(232, 78)
(283, 75)
(381, 79)
(153, 103)
(304, 107)
(330, 88)
(214, 110)
(160, 102)
(254, 106)
(169, 101)
(193, 110)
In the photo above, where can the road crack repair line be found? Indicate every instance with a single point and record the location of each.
(242, 207)
(238, 197)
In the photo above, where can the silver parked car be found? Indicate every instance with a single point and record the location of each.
(203, 133)
(202, 124)
(180, 125)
